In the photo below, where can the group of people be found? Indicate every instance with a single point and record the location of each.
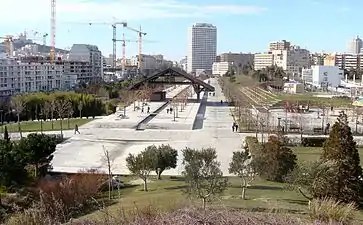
(148, 109)
(235, 127)
(169, 110)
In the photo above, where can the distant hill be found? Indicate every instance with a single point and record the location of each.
(41, 48)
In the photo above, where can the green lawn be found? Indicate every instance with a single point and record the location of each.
(29, 126)
(316, 101)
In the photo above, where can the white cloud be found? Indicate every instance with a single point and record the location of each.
(38, 11)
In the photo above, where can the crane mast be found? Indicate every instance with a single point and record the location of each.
(53, 30)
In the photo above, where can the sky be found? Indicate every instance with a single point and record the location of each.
(242, 25)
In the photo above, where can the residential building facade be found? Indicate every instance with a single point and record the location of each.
(89, 66)
(355, 45)
(279, 45)
(202, 47)
(237, 59)
(31, 76)
(323, 76)
(221, 68)
(345, 61)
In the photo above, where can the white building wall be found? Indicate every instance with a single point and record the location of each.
(221, 68)
(263, 60)
(202, 47)
(18, 77)
(323, 76)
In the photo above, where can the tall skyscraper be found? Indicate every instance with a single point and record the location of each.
(355, 45)
(202, 47)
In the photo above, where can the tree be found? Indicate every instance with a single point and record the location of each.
(38, 149)
(242, 167)
(69, 111)
(109, 162)
(164, 158)
(62, 107)
(274, 161)
(141, 165)
(80, 108)
(18, 105)
(6, 134)
(340, 151)
(202, 174)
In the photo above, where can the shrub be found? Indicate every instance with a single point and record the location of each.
(329, 211)
(252, 145)
(68, 195)
(313, 141)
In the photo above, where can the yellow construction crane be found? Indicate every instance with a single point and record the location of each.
(140, 34)
(8, 40)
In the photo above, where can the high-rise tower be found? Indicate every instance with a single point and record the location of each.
(202, 47)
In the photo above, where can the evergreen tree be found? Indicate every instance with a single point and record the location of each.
(340, 151)
(6, 134)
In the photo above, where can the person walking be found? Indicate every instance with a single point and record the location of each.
(142, 109)
(148, 109)
(76, 130)
(233, 126)
(236, 127)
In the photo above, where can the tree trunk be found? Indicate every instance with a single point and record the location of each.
(124, 110)
(68, 123)
(145, 184)
(19, 126)
(204, 202)
(244, 193)
(243, 186)
(51, 119)
(80, 114)
(36, 168)
(41, 125)
(159, 172)
(61, 126)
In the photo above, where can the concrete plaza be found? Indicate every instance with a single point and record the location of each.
(204, 124)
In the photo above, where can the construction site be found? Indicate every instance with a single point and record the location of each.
(262, 110)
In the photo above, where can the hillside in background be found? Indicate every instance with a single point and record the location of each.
(41, 48)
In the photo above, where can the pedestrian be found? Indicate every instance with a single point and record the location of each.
(142, 109)
(233, 126)
(148, 109)
(236, 127)
(171, 110)
(167, 111)
(221, 102)
(76, 129)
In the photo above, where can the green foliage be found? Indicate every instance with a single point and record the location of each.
(38, 149)
(164, 158)
(202, 174)
(141, 165)
(12, 165)
(313, 141)
(330, 211)
(275, 160)
(6, 134)
(242, 167)
(343, 182)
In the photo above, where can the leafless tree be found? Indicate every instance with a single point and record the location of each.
(109, 162)
(18, 105)
(80, 108)
(69, 111)
(53, 107)
(61, 108)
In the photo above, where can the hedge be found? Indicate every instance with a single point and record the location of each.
(313, 141)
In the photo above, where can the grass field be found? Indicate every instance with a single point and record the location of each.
(262, 196)
(316, 101)
(30, 126)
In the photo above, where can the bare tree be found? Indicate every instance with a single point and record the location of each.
(18, 105)
(61, 108)
(109, 162)
(80, 108)
(69, 111)
(53, 107)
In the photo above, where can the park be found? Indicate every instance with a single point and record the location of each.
(198, 119)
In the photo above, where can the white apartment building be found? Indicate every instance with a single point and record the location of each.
(279, 45)
(184, 63)
(263, 60)
(292, 61)
(221, 68)
(323, 76)
(202, 47)
(355, 45)
(88, 63)
(345, 61)
(24, 77)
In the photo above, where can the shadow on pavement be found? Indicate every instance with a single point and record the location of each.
(199, 119)
(217, 104)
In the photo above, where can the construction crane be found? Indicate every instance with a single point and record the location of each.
(114, 36)
(52, 29)
(8, 40)
(124, 48)
(140, 34)
(40, 36)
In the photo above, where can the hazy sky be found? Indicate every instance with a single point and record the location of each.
(243, 25)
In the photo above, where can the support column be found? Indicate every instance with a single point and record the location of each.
(197, 90)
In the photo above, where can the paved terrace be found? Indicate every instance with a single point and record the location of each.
(212, 128)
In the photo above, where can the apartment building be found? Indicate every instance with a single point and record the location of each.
(87, 63)
(292, 61)
(202, 47)
(317, 58)
(236, 59)
(323, 76)
(279, 45)
(221, 68)
(32, 76)
(345, 61)
(355, 45)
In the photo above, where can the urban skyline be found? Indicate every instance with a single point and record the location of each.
(243, 27)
